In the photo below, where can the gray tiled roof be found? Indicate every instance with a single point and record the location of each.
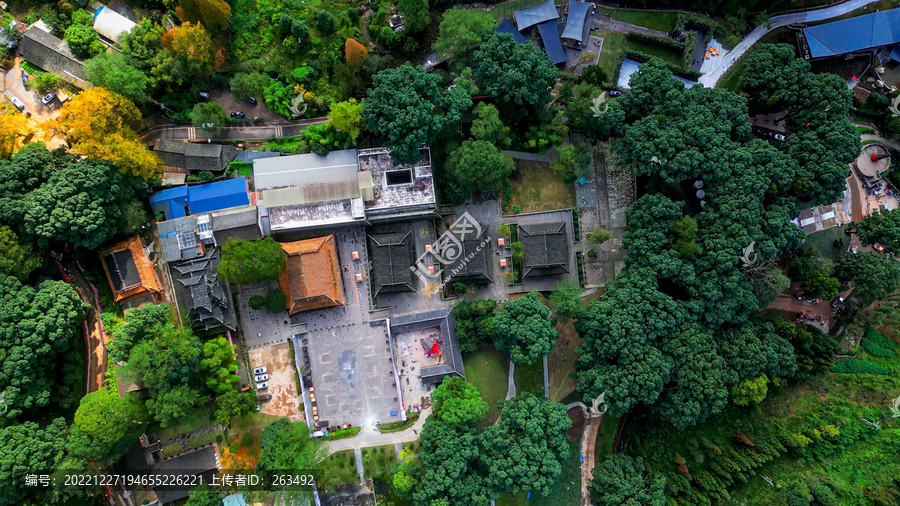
(391, 255)
(472, 266)
(445, 320)
(52, 54)
(198, 289)
(546, 249)
(194, 156)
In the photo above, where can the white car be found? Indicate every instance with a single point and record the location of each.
(780, 138)
(48, 98)
(262, 386)
(261, 377)
(18, 103)
(260, 370)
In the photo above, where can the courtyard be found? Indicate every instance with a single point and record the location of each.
(282, 382)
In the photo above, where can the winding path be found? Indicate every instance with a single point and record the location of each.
(711, 78)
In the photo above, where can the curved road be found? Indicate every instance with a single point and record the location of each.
(249, 132)
(710, 79)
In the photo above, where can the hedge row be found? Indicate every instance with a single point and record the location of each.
(875, 343)
(687, 55)
(858, 366)
(684, 18)
(655, 39)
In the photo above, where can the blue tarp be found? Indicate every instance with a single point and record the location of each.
(221, 195)
(575, 21)
(507, 27)
(537, 14)
(202, 198)
(854, 34)
(895, 53)
(552, 45)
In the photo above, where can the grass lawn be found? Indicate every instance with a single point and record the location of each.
(663, 21)
(536, 187)
(171, 450)
(501, 11)
(255, 421)
(488, 370)
(610, 53)
(197, 442)
(341, 467)
(561, 383)
(530, 378)
(665, 53)
(415, 446)
(377, 462)
(605, 436)
(823, 241)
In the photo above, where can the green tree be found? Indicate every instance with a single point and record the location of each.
(213, 14)
(113, 71)
(250, 261)
(593, 75)
(514, 73)
(17, 258)
(409, 107)
(78, 201)
(518, 457)
(572, 163)
(36, 328)
(28, 448)
(233, 404)
(814, 349)
(171, 407)
(46, 82)
(203, 496)
(325, 21)
(882, 227)
(479, 165)
(257, 302)
(219, 365)
(460, 288)
(774, 77)
(768, 284)
(415, 15)
(565, 299)
(81, 39)
(139, 324)
(209, 116)
(487, 125)
(458, 402)
(524, 331)
(248, 84)
(873, 276)
(287, 445)
(168, 360)
(619, 479)
(474, 323)
(750, 390)
(275, 301)
(346, 117)
(104, 427)
(518, 251)
(598, 236)
(461, 30)
(447, 460)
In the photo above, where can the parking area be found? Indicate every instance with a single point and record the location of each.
(353, 375)
(282, 386)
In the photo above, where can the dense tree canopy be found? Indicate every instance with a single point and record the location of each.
(474, 323)
(462, 29)
(525, 449)
(250, 261)
(518, 74)
(167, 360)
(409, 107)
(104, 427)
(36, 328)
(347, 117)
(209, 116)
(458, 402)
(873, 276)
(219, 365)
(524, 330)
(17, 257)
(169, 407)
(287, 445)
(113, 72)
(234, 404)
(28, 448)
(620, 480)
(882, 227)
(487, 125)
(479, 165)
(565, 299)
(138, 324)
(448, 455)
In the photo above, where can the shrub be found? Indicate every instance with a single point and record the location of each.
(875, 343)
(654, 39)
(592, 254)
(593, 75)
(460, 288)
(857, 366)
(275, 301)
(518, 251)
(257, 302)
(247, 439)
(325, 21)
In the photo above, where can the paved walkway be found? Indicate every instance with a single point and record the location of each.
(588, 441)
(548, 156)
(712, 77)
(546, 377)
(371, 437)
(511, 382)
(360, 470)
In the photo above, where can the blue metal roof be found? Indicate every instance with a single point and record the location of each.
(507, 27)
(170, 194)
(220, 195)
(552, 45)
(575, 20)
(854, 34)
(537, 14)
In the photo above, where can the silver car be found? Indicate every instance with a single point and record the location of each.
(48, 98)
(262, 386)
(18, 103)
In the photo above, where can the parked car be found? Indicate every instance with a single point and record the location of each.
(261, 378)
(238, 114)
(263, 397)
(615, 93)
(18, 103)
(48, 98)
(779, 138)
(260, 370)
(24, 75)
(262, 386)
(204, 95)
(251, 100)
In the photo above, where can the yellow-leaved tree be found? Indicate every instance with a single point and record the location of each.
(355, 53)
(13, 129)
(100, 124)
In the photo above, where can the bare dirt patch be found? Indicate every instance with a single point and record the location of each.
(282, 385)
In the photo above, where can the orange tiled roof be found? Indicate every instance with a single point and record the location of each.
(147, 281)
(311, 278)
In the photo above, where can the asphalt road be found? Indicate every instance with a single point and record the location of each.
(249, 132)
(711, 78)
